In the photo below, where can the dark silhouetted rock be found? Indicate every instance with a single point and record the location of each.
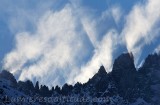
(100, 80)
(153, 60)
(8, 76)
(66, 89)
(27, 87)
(37, 87)
(123, 85)
(44, 91)
(58, 89)
(124, 74)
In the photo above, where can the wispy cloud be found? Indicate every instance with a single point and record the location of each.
(24, 15)
(116, 12)
(70, 44)
(157, 50)
(140, 26)
(102, 56)
(59, 50)
(55, 46)
(104, 41)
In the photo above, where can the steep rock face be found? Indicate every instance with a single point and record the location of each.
(8, 76)
(100, 80)
(44, 91)
(123, 67)
(98, 85)
(150, 72)
(66, 89)
(77, 88)
(27, 87)
(124, 74)
(37, 87)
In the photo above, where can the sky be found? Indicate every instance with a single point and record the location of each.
(66, 41)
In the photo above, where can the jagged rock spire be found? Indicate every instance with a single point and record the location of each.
(102, 70)
(37, 86)
(125, 60)
(124, 72)
(123, 64)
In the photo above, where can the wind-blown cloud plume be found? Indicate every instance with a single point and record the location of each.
(55, 46)
(102, 56)
(140, 26)
(157, 50)
(70, 44)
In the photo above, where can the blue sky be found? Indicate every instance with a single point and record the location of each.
(58, 41)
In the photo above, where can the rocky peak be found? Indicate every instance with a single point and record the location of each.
(124, 72)
(126, 60)
(58, 89)
(8, 76)
(124, 64)
(26, 87)
(102, 70)
(66, 89)
(44, 91)
(100, 80)
(37, 86)
(101, 74)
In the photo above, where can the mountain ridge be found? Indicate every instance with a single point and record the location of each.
(124, 85)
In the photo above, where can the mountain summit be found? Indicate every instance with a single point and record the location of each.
(102, 70)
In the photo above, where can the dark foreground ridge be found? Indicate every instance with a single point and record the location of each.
(123, 86)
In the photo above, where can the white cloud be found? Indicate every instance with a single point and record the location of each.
(157, 50)
(61, 49)
(57, 51)
(47, 53)
(116, 13)
(138, 30)
(104, 45)
(102, 56)
(90, 27)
